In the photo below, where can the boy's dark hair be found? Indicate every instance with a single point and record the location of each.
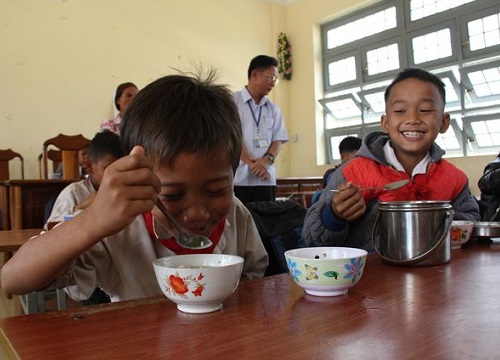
(261, 62)
(349, 144)
(119, 91)
(105, 143)
(420, 74)
(180, 113)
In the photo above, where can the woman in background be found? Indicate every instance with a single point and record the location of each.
(124, 94)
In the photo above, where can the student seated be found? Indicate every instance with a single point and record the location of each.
(348, 148)
(183, 137)
(104, 149)
(489, 184)
(415, 103)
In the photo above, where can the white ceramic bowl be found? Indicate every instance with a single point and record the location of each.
(326, 271)
(198, 283)
(460, 232)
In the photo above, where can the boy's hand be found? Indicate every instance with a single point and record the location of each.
(348, 204)
(128, 188)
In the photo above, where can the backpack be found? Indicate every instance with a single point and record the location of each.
(279, 224)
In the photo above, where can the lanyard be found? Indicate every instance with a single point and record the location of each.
(257, 120)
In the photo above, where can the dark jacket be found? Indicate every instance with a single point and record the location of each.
(489, 184)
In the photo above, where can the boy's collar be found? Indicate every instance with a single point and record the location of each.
(391, 158)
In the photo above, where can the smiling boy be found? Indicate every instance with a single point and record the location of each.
(415, 103)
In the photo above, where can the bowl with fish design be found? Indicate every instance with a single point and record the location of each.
(326, 271)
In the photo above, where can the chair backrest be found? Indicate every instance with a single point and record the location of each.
(5, 157)
(54, 156)
(69, 146)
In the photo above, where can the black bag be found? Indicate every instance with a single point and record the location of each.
(280, 226)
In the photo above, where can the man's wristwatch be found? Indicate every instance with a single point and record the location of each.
(270, 157)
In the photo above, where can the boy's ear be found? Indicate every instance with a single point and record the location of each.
(89, 166)
(384, 123)
(445, 123)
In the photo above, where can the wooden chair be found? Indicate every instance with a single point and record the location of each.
(5, 157)
(54, 156)
(69, 146)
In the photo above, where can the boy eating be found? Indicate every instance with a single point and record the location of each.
(183, 138)
(415, 103)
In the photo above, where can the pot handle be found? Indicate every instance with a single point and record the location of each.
(447, 222)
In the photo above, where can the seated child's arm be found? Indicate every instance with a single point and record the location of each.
(326, 219)
(465, 206)
(129, 188)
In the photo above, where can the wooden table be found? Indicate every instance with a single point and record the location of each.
(449, 311)
(11, 240)
(34, 302)
(27, 200)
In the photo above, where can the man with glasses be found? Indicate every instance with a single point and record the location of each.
(264, 132)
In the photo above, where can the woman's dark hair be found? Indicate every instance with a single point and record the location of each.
(180, 113)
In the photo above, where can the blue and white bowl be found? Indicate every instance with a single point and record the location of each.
(326, 271)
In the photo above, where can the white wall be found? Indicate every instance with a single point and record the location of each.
(60, 62)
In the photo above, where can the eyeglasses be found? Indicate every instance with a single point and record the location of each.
(272, 78)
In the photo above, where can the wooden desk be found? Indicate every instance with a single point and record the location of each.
(11, 240)
(34, 302)
(449, 311)
(27, 200)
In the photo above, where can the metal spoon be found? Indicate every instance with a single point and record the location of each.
(387, 187)
(196, 242)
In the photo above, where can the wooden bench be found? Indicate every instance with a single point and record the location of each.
(300, 189)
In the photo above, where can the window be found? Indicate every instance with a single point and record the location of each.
(458, 40)
(423, 8)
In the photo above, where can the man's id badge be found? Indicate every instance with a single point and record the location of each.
(260, 141)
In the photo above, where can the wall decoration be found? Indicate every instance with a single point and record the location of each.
(284, 57)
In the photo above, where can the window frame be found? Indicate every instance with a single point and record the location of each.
(455, 66)
(464, 29)
(429, 29)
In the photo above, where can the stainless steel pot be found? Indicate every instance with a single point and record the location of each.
(413, 232)
(486, 229)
